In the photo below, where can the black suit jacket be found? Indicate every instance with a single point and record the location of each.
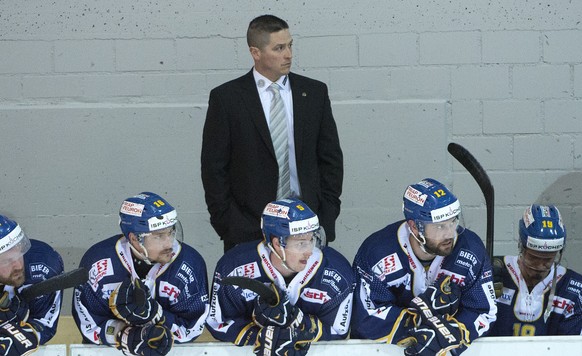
(239, 167)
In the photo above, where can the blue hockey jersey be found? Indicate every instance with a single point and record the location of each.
(389, 276)
(521, 312)
(324, 288)
(180, 287)
(42, 262)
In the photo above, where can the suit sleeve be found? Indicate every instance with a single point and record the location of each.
(331, 169)
(377, 314)
(215, 160)
(45, 309)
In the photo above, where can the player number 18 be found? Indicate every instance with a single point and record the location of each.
(523, 329)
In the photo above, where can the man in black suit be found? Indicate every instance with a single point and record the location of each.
(240, 172)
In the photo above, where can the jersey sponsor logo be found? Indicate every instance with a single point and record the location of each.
(38, 271)
(364, 274)
(100, 269)
(186, 273)
(342, 320)
(332, 278)
(309, 271)
(250, 270)
(276, 210)
(315, 296)
(455, 277)
(506, 296)
(132, 209)
(170, 291)
(386, 266)
(415, 196)
(575, 287)
(563, 306)
(269, 266)
(107, 289)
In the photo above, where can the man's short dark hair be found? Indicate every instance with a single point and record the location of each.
(261, 28)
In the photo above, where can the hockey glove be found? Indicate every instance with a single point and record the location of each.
(435, 336)
(149, 340)
(13, 310)
(282, 313)
(18, 339)
(131, 302)
(442, 297)
(291, 341)
(498, 270)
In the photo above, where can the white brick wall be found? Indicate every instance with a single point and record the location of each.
(101, 101)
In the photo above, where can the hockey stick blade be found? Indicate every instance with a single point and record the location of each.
(62, 281)
(478, 173)
(258, 287)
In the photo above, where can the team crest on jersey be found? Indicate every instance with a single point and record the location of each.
(250, 270)
(100, 269)
(315, 296)
(169, 291)
(386, 266)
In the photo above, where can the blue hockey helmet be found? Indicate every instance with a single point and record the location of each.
(145, 213)
(429, 201)
(287, 217)
(13, 241)
(541, 229)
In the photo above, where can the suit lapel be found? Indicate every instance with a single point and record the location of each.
(251, 100)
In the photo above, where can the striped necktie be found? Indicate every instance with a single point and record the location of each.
(278, 129)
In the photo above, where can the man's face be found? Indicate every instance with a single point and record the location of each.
(274, 60)
(12, 267)
(298, 249)
(535, 265)
(159, 244)
(440, 237)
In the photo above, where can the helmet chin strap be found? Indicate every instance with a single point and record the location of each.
(141, 255)
(283, 259)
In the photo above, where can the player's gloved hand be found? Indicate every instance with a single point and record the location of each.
(149, 340)
(18, 338)
(132, 302)
(435, 336)
(13, 310)
(498, 271)
(292, 341)
(442, 297)
(281, 313)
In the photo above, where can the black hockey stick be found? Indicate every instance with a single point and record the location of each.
(478, 172)
(266, 293)
(62, 281)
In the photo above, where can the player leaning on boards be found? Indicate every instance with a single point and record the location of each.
(146, 288)
(534, 277)
(313, 286)
(24, 262)
(425, 282)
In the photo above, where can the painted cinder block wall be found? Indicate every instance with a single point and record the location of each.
(100, 101)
